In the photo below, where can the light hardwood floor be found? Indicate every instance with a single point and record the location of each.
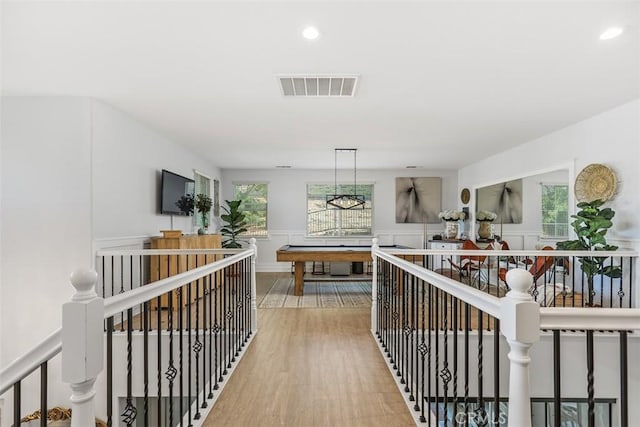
(310, 367)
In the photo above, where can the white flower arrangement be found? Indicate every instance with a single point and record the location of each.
(486, 216)
(451, 215)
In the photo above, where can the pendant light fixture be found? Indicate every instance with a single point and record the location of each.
(345, 201)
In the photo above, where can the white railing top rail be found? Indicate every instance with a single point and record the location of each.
(514, 253)
(581, 318)
(52, 345)
(138, 252)
(477, 298)
(132, 298)
(30, 361)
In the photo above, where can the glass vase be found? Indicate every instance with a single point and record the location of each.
(451, 230)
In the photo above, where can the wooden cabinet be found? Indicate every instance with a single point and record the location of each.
(163, 266)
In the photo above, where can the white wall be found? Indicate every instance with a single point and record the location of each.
(76, 175)
(287, 207)
(46, 216)
(126, 163)
(611, 138)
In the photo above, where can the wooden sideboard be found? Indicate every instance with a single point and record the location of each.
(163, 266)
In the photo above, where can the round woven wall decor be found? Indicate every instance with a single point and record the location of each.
(595, 181)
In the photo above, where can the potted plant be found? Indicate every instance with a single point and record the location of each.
(185, 204)
(203, 205)
(590, 225)
(234, 224)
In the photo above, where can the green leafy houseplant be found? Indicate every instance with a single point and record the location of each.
(234, 224)
(590, 225)
(185, 204)
(203, 204)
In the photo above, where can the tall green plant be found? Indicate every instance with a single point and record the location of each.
(591, 224)
(234, 224)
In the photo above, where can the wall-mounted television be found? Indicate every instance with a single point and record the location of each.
(174, 187)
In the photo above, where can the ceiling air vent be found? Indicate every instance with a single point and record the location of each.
(318, 86)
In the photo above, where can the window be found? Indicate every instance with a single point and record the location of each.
(203, 186)
(254, 206)
(322, 221)
(555, 210)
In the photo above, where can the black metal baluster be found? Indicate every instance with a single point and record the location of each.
(179, 293)
(210, 331)
(430, 327)
(624, 376)
(411, 380)
(590, 380)
(216, 332)
(189, 329)
(159, 357)
(422, 348)
(110, 371)
(436, 369)
(557, 386)
(480, 413)
(630, 282)
(17, 403)
(145, 351)
(204, 339)
(456, 303)
(121, 290)
(197, 346)
(170, 373)
(104, 279)
(496, 371)
(445, 373)
(112, 278)
(43, 393)
(129, 413)
(467, 350)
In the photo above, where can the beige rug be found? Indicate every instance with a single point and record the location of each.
(325, 294)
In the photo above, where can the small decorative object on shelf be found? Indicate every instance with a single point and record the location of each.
(485, 229)
(451, 218)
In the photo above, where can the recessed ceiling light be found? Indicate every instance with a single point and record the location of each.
(310, 33)
(611, 33)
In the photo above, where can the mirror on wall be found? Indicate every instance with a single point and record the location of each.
(531, 210)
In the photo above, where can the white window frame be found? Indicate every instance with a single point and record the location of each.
(338, 212)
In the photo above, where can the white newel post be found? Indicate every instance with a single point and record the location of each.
(82, 345)
(520, 324)
(254, 305)
(374, 287)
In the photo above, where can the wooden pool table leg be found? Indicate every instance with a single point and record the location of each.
(298, 270)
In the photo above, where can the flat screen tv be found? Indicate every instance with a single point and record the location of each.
(174, 187)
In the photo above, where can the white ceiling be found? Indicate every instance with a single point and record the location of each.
(441, 85)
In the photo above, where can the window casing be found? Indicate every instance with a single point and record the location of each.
(254, 198)
(555, 210)
(323, 221)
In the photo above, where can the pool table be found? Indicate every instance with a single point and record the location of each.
(299, 254)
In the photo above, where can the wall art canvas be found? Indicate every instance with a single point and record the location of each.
(505, 199)
(418, 199)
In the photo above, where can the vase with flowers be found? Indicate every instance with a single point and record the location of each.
(203, 204)
(485, 220)
(451, 218)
